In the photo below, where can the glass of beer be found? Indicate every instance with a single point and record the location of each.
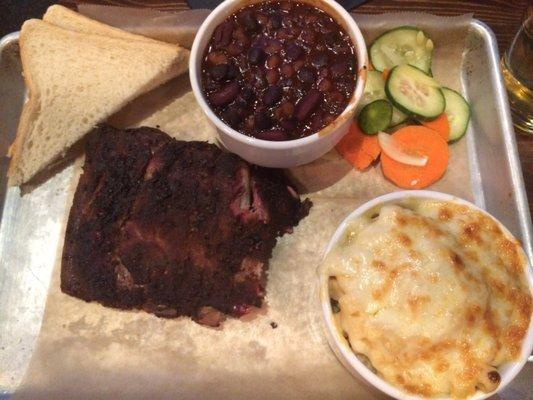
(517, 68)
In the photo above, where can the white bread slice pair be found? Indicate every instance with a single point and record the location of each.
(76, 80)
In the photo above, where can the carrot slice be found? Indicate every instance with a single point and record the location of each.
(441, 125)
(422, 141)
(385, 74)
(357, 148)
(362, 162)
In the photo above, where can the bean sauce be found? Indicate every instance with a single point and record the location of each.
(279, 70)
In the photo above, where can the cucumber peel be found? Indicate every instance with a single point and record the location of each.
(402, 45)
(375, 117)
(414, 92)
(458, 113)
(375, 90)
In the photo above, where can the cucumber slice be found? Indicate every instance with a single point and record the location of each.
(398, 117)
(458, 113)
(375, 90)
(414, 92)
(403, 45)
(375, 117)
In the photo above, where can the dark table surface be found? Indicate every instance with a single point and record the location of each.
(503, 16)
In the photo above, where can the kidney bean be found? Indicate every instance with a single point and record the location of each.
(272, 76)
(287, 70)
(274, 46)
(308, 36)
(275, 21)
(319, 60)
(262, 121)
(336, 97)
(339, 68)
(323, 73)
(306, 75)
(235, 48)
(232, 72)
(277, 114)
(217, 57)
(233, 115)
(274, 135)
(249, 21)
(218, 72)
(272, 95)
(273, 61)
(256, 55)
(317, 122)
(331, 38)
(288, 125)
(260, 42)
(293, 51)
(286, 5)
(287, 108)
(262, 19)
(284, 34)
(307, 105)
(225, 95)
(241, 36)
(247, 95)
(325, 85)
(298, 64)
(222, 34)
(239, 101)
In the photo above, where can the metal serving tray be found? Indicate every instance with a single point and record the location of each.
(495, 170)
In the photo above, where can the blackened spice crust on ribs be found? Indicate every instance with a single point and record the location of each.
(172, 227)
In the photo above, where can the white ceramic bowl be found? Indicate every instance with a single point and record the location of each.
(339, 345)
(287, 153)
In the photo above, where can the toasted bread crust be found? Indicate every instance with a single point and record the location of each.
(67, 19)
(15, 150)
(31, 109)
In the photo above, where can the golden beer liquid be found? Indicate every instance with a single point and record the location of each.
(517, 70)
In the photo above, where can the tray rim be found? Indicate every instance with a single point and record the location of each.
(508, 134)
(8, 39)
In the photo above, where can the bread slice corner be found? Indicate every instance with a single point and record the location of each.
(68, 19)
(76, 80)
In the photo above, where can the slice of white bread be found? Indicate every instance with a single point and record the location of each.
(67, 19)
(75, 81)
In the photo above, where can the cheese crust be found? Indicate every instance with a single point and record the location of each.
(434, 295)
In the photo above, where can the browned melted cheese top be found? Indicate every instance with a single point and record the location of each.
(433, 294)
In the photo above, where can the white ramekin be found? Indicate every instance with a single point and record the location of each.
(339, 344)
(287, 153)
